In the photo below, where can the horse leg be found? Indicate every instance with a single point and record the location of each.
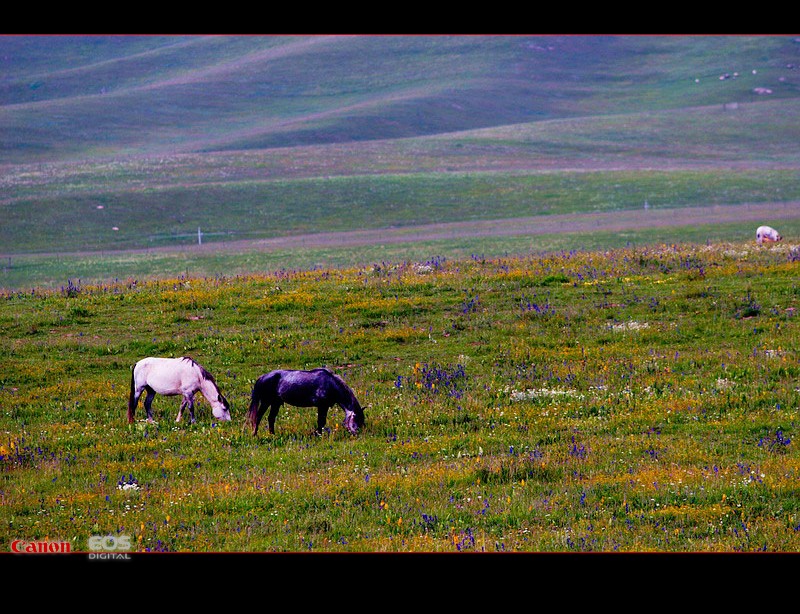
(190, 405)
(273, 413)
(188, 402)
(322, 418)
(148, 403)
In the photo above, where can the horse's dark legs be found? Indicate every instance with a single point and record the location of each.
(190, 405)
(148, 403)
(273, 413)
(322, 418)
(188, 401)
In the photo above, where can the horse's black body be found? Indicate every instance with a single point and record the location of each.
(318, 388)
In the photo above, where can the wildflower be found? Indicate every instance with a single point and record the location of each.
(531, 394)
(724, 384)
(129, 484)
(778, 443)
(632, 325)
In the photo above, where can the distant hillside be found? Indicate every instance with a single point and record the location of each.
(75, 98)
(241, 153)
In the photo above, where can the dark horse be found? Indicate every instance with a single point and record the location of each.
(318, 388)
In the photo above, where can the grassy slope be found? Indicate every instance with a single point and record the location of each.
(77, 98)
(613, 105)
(544, 168)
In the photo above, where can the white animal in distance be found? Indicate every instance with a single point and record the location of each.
(768, 234)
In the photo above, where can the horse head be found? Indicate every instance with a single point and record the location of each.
(350, 422)
(221, 409)
(354, 418)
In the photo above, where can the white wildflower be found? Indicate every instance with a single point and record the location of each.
(724, 384)
(632, 325)
(531, 393)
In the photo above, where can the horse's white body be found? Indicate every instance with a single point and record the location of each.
(768, 234)
(171, 377)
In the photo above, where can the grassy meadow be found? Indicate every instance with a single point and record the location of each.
(620, 383)
(629, 399)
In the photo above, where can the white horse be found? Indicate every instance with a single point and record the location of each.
(768, 234)
(171, 377)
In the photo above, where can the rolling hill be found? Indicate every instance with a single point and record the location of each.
(67, 98)
(135, 142)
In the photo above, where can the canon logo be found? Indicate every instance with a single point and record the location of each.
(25, 547)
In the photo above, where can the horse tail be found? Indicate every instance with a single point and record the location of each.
(255, 400)
(132, 398)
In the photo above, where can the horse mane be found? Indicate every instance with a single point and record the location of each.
(205, 374)
(345, 386)
(342, 384)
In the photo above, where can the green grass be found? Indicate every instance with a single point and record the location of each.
(561, 402)
(700, 157)
(78, 98)
(171, 216)
(538, 127)
(593, 390)
(28, 272)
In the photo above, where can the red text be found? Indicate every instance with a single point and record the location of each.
(46, 547)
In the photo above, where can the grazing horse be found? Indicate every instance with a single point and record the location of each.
(765, 233)
(318, 388)
(171, 377)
